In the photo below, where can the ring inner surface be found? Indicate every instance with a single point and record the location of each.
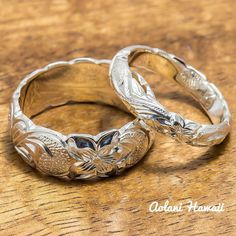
(213, 105)
(78, 83)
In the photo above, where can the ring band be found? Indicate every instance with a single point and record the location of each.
(140, 99)
(73, 156)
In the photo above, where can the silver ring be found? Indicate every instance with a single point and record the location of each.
(73, 156)
(141, 101)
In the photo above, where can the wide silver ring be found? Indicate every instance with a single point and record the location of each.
(138, 96)
(73, 156)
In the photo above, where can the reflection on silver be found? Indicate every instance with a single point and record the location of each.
(75, 156)
(141, 101)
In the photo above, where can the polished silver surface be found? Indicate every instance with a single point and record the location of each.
(141, 101)
(73, 156)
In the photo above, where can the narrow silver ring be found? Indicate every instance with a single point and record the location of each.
(141, 101)
(74, 156)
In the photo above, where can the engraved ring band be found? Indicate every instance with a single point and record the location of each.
(73, 156)
(138, 96)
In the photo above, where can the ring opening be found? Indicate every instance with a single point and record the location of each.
(189, 79)
(79, 94)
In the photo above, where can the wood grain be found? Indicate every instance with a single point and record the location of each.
(34, 33)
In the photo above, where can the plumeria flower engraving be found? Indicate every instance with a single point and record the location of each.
(94, 155)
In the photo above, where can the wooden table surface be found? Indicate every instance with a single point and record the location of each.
(34, 33)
